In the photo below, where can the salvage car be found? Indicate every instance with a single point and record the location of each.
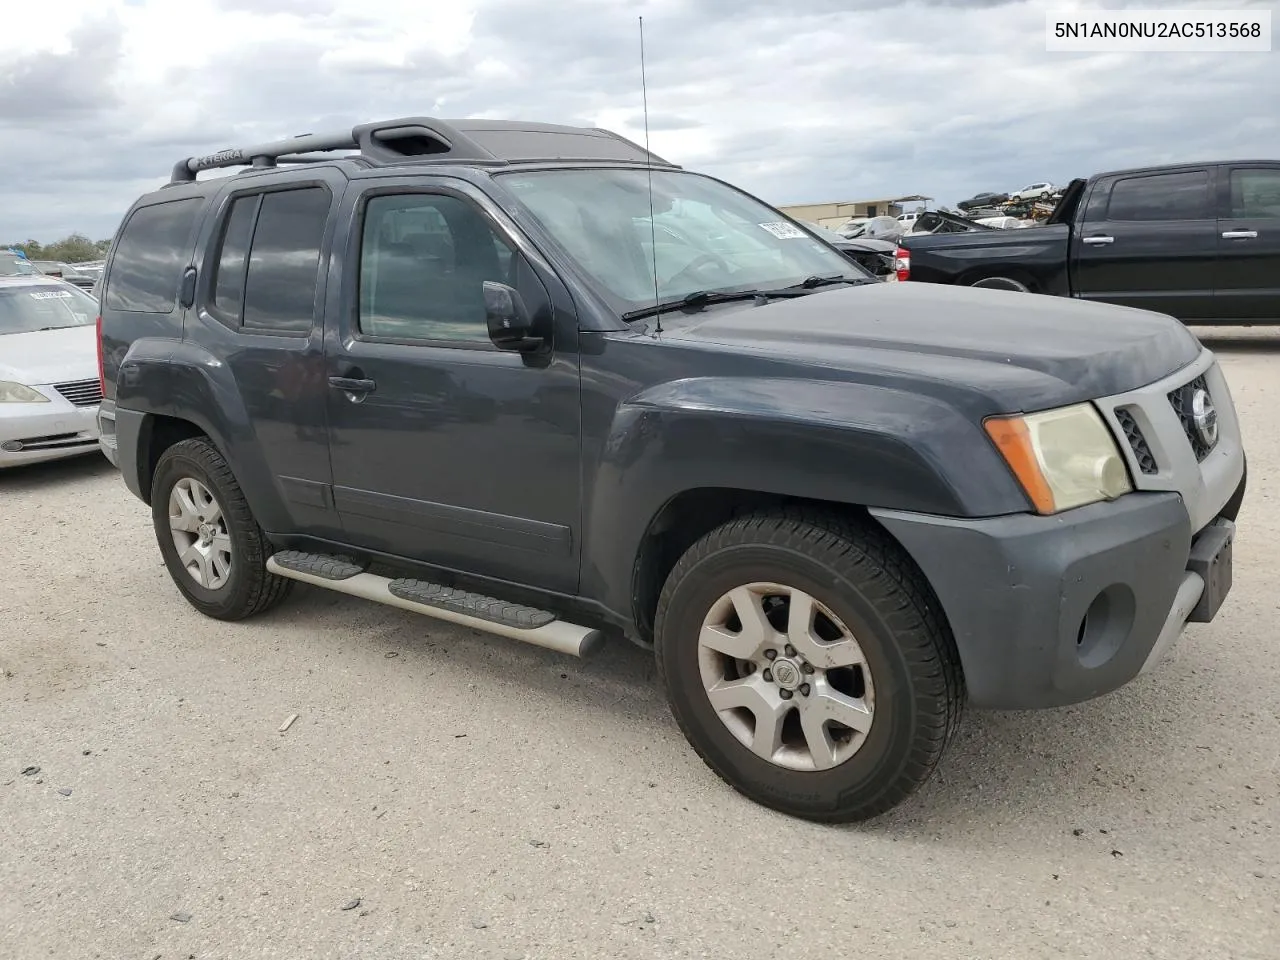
(877, 257)
(1033, 191)
(14, 265)
(982, 200)
(65, 271)
(442, 373)
(49, 386)
(876, 228)
(1200, 242)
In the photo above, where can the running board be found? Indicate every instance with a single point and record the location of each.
(343, 574)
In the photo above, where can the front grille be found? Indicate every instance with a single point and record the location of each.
(1137, 442)
(1181, 400)
(83, 393)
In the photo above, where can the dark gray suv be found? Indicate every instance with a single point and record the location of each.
(537, 381)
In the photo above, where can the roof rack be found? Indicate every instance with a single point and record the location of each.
(425, 139)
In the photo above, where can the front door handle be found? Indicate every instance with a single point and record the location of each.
(352, 384)
(1240, 235)
(1094, 241)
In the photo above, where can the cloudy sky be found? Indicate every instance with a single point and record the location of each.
(846, 100)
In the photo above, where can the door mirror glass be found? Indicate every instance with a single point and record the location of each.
(510, 325)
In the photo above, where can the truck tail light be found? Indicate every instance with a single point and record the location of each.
(902, 263)
(102, 370)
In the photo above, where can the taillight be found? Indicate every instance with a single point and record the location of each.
(102, 370)
(902, 263)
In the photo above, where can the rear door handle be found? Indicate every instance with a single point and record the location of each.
(1240, 235)
(352, 384)
(1094, 241)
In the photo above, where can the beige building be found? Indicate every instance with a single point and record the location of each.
(834, 214)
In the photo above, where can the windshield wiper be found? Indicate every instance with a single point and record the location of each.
(700, 298)
(810, 283)
(695, 300)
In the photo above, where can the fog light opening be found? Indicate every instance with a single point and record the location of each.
(1105, 625)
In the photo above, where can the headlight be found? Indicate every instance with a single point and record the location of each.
(1063, 458)
(20, 393)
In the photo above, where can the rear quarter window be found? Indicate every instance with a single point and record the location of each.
(154, 246)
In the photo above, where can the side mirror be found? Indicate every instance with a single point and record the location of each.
(510, 325)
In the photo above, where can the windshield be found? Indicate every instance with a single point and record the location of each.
(43, 307)
(704, 235)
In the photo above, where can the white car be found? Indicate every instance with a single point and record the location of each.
(852, 227)
(49, 386)
(1033, 191)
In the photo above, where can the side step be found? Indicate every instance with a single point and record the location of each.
(343, 574)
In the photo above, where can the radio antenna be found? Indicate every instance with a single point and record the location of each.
(648, 162)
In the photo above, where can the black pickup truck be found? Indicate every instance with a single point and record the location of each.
(1200, 242)
(537, 381)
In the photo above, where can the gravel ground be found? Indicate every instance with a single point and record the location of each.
(445, 794)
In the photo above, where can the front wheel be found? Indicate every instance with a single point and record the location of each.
(214, 549)
(809, 665)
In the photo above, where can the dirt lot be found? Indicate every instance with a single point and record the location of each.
(444, 794)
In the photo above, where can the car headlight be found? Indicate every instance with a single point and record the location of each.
(1063, 458)
(20, 393)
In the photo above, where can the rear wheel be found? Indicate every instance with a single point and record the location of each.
(213, 548)
(808, 664)
(1002, 283)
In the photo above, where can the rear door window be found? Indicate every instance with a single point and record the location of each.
(267, 272)
(284, 261)
(146, 268)
(1165, 196)
(233, 258)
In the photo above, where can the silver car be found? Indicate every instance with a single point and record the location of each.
(49, 382)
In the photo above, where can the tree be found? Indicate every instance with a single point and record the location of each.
(76, 248)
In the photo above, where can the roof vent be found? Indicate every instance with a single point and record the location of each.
(412, 143)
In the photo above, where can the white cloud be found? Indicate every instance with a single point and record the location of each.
(942, 97)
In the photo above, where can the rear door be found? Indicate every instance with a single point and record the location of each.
(259, 307)
(1247, 287)
(1150, 240)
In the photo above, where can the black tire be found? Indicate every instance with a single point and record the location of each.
(250, 588)
(860, 574)
(1002, 283)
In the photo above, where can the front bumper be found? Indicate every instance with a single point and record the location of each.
(1048, 611)
(38, 432)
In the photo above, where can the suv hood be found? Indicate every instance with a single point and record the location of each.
(49, 356)
(1020, 351)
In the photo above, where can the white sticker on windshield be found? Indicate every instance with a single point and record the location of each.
(784, 231)
(52, 295)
